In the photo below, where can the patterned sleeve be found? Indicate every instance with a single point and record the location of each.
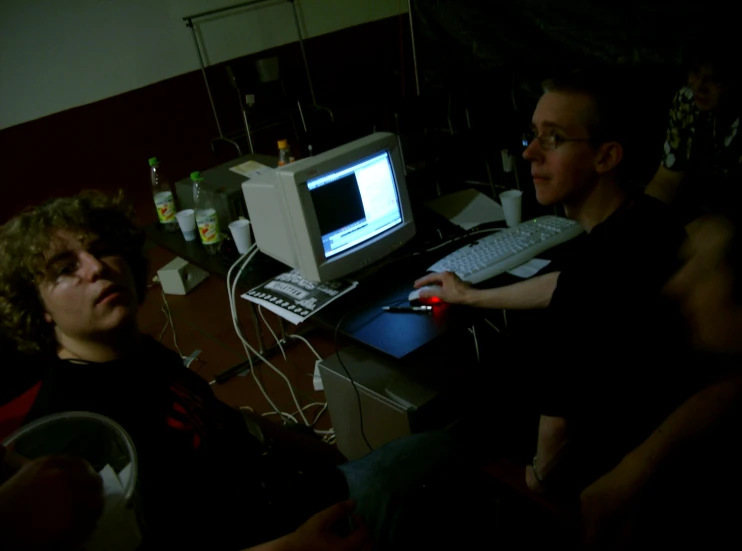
(676, 152)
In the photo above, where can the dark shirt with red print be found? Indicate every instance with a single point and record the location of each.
(202, 474)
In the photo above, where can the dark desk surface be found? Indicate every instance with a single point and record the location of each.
(360, 311)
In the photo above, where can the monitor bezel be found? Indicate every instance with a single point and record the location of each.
(310, 253)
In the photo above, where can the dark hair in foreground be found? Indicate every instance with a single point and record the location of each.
(718, 48)
(26, 239)
(604, 85)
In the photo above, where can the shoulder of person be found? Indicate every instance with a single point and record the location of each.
(648, 213)
(645, 228)
(684, 96)
(169, 363)
(18, 372)
(683, 105)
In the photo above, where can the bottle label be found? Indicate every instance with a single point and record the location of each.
(208, 227)
(165, 207)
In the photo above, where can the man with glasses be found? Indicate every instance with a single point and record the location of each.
(596, 369)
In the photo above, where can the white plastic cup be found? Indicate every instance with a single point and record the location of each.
(187, 222)
(511, 201)
(507, 160)
(241, 234)
(110, 451)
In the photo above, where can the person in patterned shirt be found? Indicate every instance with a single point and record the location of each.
(702, 157)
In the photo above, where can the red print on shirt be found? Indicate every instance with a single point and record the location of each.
(187, 414)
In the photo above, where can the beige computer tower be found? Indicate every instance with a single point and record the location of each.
(393, 401)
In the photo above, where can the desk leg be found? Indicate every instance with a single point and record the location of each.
(283, 329)
(258, 329)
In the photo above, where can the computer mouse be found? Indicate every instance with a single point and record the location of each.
(414, 296)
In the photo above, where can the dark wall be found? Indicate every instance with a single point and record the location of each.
(473, 55)
(106, 144)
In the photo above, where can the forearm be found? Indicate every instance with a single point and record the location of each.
(531, 294)
(281, 544)
(699, 414)
(664, 186)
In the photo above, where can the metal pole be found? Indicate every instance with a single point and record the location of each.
(243, 108)
(220, 10)
(414, 52)
(203, 72)
(303, 52)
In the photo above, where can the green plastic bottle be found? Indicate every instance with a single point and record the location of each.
(206, 217)
(163, 195)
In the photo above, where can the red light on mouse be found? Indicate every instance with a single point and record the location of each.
(430, 301)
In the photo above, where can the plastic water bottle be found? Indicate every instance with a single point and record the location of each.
(163, 195)
(206, 218)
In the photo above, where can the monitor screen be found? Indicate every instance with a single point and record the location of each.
(355, 203)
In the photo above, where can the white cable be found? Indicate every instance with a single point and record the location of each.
(247, 345)
(249, 348)
(252, 251)
(307, 343)
(166, 309)
(278, 341)
(235, 321)
(316, 417)
(167, 324)
(291, 416)
(473, 331)
(282, 414)
(492, 325)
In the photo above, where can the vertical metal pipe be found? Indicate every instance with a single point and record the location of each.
(414, 51)
(203, 72)
(303, 51)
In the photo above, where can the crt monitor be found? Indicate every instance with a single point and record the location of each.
(332, 214)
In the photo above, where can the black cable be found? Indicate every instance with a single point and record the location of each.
(347, 372)
(350, 378)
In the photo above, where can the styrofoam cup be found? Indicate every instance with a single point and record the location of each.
(241, 234)
(511, 201)
(187, 222)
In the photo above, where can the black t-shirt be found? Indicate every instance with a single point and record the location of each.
(204, 479)
(617, 347)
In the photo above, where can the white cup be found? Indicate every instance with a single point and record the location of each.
(510, 201)
(241, 234)
(187, 222)
(507, 160)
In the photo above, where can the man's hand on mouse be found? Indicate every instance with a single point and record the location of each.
(450, 288)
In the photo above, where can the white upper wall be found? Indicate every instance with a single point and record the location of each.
(56, 54)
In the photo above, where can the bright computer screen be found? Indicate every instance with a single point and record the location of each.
(355, 203)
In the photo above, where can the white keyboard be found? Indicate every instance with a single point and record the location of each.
(507, 249)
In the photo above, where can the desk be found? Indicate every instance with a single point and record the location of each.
(363, 321)
(396, 335)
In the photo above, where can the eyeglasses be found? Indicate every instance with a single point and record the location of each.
(550, 141)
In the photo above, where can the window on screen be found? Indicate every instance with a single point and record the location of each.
(355, 203)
